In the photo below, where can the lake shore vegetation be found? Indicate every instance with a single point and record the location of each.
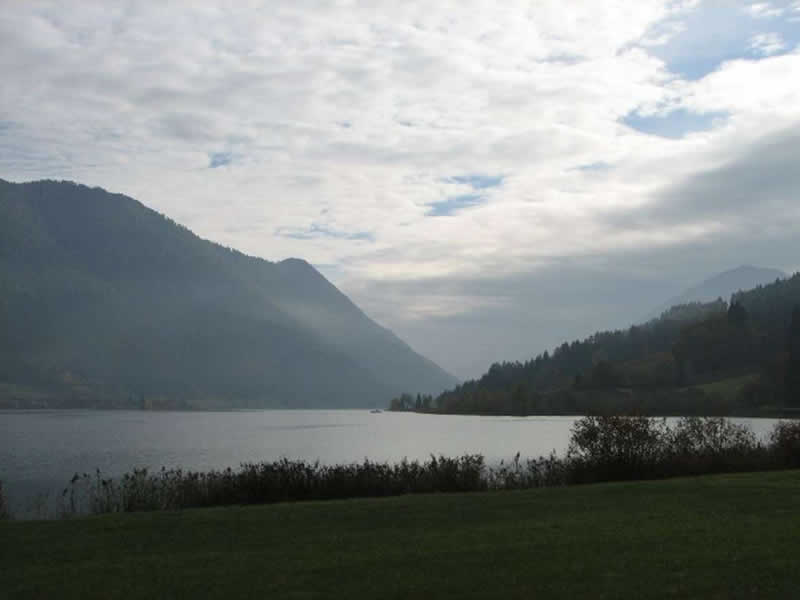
(601, 448)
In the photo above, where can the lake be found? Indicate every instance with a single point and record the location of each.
(41, 450)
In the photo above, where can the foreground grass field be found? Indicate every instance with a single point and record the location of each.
(732, 536)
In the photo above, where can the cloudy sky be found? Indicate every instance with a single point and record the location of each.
(484, 178)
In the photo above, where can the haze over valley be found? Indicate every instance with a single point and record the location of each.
(484, 182)
(109, 304)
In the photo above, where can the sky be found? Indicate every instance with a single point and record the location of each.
(485, 179)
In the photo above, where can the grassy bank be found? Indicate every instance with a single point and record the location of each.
(731, 536)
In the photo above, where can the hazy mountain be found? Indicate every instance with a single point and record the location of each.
(723, 285)
(703, 359)
(104, 301)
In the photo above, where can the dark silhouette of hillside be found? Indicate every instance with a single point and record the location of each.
(737, 357)
(104, 302)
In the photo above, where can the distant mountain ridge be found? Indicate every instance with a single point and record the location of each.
(716, 358)
(723, 285)
(106, 302)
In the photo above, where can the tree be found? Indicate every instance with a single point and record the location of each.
(402, 403)
(737, 315)
(606, 375)
(519, 400)
(5, 514)
(793, 366)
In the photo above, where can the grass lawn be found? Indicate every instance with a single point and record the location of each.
(728, 388)
(732, 536)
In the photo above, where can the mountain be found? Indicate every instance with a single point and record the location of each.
(714, 358)
(723, 285)
(104, 302)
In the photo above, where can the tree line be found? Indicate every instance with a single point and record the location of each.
(740, 356)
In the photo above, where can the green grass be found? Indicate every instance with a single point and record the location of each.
(735, 536)
(728, 388)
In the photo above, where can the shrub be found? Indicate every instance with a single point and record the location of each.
(713, 445)
(785, 443)
(711, 436)
(5, 513)
(615, 447)
(532, 473)
(619, 448)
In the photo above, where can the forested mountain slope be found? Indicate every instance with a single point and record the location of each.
(737, 357)
(104, 302)
(723, 285)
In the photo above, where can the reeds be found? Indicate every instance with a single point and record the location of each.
(267, 482)
(601, 449)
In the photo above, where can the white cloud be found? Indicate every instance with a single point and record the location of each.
(352, 118)
(763, 10)
(767, 44)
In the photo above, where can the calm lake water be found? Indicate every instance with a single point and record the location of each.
(41, 450)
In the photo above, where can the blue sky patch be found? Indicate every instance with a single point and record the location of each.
(478, 182)
(454, 204)
(219, 159)
(599, 165)
(716, 32)
(674, 125)
(320, 231)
